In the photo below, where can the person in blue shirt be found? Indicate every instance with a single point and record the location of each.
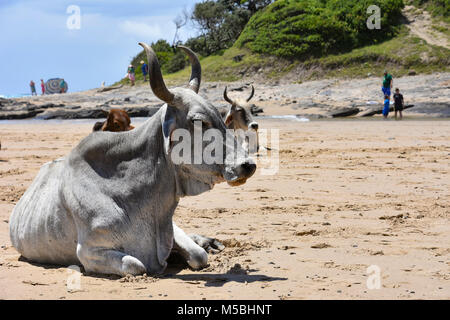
(387, 106)
(144, 69)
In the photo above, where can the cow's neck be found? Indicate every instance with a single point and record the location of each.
(135, 163)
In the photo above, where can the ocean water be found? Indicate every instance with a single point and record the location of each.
(285, 117)
(19, 95)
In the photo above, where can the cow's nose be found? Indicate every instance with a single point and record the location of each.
(254, 126)
(249, 167)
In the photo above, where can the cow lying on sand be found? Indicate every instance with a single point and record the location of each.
(239, 117)
(117, 120)
(109, 204)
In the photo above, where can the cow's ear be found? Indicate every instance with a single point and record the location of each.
(228, 119)
(168, 126)
(229, 116)
(98, 126)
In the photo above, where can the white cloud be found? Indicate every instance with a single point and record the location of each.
(142, 29)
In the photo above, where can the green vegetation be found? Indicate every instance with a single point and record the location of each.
(303, 28)
(170, 59)
(223, 66)
(311, 42)
(437, 8)
(220, 23)
(401, 55)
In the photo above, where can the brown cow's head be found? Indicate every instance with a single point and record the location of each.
(117, 121)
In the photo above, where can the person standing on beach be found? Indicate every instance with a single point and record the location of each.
(387, 84)
(144, 69)
(399, 103)
(387, 106)
(42, 87)
(62, 86)
(33, 88)
(131, 74)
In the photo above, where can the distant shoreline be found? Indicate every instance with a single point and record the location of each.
(429, 94)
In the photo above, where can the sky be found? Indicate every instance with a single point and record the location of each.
(40, 39)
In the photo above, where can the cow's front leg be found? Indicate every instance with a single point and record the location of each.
(109, 261)
(211, 245)
(196, 256)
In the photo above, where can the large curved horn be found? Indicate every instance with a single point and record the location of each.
(156, 80)
(251, 94)
(196, 73)
(225, 96)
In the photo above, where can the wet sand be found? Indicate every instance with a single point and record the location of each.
(348, 195)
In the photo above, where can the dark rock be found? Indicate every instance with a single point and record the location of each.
(310, 104)
(346, 112)
(16, 115)
(441, 109)
(379, 110)
(96, 113)
(71, 114)
(142, 111)
(255, 109)
(51, 105)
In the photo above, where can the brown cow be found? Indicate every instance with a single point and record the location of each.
(117, 121)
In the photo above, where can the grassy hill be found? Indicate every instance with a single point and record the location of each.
(306, 40)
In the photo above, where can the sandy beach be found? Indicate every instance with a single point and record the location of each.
(348, 195)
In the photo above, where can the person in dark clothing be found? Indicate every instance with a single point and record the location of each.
(398, 105)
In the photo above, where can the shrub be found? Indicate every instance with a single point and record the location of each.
(304, 28)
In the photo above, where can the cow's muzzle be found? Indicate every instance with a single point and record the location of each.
(245, 171)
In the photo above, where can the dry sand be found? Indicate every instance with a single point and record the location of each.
(348, 195)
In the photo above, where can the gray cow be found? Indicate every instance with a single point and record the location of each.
(239, 117)
(109, 204)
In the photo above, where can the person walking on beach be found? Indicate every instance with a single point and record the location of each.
(144, 69)
(387, 106)
(33, 88)
(131, 74)
(387, 84)
(399, 103)
(42, 87)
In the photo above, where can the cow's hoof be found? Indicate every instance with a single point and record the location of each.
(198, 260)
(211, 245)
(131, 265)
